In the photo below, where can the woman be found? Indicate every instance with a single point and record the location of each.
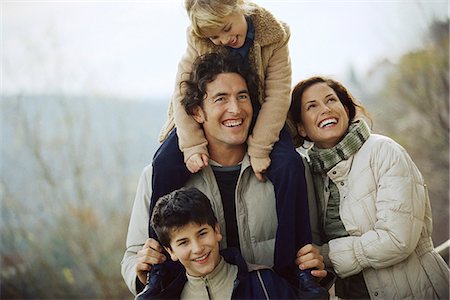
(373, 205)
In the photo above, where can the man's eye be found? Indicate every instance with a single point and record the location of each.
(220, 99)
(243, 97)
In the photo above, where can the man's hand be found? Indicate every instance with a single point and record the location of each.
(260, 166)
(309, 257)
(197, 162)
(150, 254)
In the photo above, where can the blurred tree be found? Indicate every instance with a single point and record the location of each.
(413, 108)
(63, 189)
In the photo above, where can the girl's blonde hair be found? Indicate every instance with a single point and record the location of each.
(207, 15)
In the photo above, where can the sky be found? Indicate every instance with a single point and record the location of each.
(130, 49)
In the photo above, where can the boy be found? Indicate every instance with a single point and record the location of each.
(188, 230)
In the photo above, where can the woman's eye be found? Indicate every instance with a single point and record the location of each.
(310, 106)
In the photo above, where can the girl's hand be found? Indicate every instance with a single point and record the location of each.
(260, 166)
(197, 162)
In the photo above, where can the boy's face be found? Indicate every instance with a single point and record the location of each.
(196, 247)
(232, 33)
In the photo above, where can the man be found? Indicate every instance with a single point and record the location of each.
(218, 96)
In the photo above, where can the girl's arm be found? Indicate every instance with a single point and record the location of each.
(276, 102)
(190, 134)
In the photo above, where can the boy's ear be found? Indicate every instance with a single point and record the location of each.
(172, 255)
(199, 115)
(217, 232)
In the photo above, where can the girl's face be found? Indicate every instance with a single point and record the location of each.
(232, 33)
(324, 118)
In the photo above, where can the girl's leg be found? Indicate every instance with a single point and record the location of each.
(169, 171)
(287, 174)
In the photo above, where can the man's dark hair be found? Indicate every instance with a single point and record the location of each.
(179, 208)
(205, 70)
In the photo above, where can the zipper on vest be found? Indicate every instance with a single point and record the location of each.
(205, 281)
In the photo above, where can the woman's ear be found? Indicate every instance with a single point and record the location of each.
(301, 130)
(172, 255)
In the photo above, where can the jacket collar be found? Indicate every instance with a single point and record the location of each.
(268, 30)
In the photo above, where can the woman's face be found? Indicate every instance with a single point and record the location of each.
(324, 118)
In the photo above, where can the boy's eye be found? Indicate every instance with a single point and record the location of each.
(182, 243)
(227, 28)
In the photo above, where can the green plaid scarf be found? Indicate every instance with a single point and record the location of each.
(323, 160)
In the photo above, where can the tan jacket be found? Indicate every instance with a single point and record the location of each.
(270, 56)
(384, 206)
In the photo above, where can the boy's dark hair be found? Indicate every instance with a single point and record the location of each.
(205, 70)
(179, 208)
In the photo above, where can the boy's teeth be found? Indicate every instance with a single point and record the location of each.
(201, 258)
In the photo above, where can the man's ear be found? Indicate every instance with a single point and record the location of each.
(199, 115)
(301, 130)
(172, 255)
(217, 232)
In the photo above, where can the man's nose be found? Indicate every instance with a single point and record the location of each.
(234, 106)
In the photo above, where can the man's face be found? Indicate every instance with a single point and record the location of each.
(227, 112)
(196, 247)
